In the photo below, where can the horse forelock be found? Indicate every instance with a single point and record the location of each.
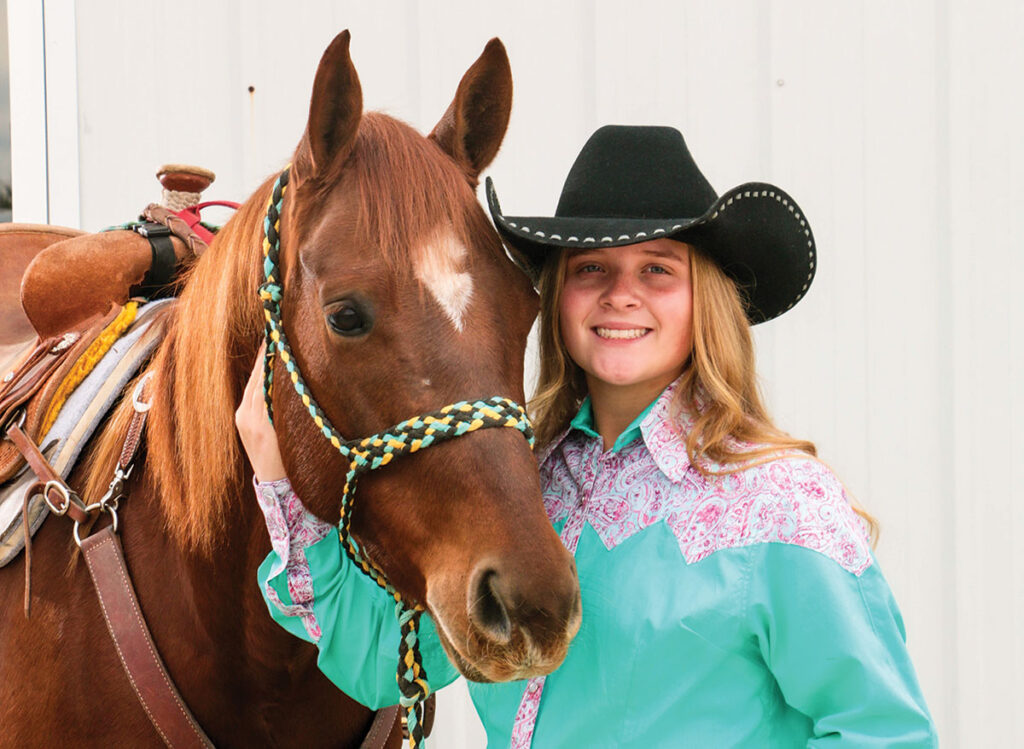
(407, 188)
(412, 209)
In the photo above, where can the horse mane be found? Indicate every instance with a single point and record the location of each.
(194, 459)
(193, 456)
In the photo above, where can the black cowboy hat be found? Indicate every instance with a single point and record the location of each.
(631, 184)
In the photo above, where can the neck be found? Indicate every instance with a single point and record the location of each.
(615, 406)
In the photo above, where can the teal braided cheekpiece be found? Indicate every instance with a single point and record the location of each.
(374, 452)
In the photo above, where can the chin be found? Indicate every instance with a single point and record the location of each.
(621, 378)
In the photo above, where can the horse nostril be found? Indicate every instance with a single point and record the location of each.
(487, 608)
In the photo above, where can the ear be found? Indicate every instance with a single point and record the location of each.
(474, 125)
(334, 113)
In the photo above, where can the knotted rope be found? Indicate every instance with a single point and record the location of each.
(371, 453)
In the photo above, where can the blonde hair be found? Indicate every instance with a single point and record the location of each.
(718, 386)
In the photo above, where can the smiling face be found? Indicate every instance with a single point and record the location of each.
(625, 313)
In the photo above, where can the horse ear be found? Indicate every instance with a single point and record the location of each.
(334, 113)
(472, 129)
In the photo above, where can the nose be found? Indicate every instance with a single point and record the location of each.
(501, 601)
(487, 608)
(620, 292)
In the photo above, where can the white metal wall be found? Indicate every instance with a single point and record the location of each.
(896, 125)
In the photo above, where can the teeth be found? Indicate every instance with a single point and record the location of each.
(610, 333)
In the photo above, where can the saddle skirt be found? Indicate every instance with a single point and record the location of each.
(75, 423)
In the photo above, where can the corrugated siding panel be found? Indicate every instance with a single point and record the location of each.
(986, 323)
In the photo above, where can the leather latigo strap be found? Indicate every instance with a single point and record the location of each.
(145, 669)
(61, 499)
(58, 494)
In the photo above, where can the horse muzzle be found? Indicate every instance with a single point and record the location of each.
(517, 621)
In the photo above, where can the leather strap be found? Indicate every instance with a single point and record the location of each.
(145, 669)
(163, 262)
(382, 727)
(58, 493)
(23, 383)
(136, 427)
(28, 555)
(429, 708)
(179, 227)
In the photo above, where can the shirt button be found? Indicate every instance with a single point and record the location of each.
(532, 688)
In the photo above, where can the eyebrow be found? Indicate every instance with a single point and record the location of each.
(668, 254)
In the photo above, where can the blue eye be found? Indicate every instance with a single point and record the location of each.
(659, 269)
(590, 268)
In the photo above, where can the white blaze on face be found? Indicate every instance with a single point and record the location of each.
(439, 268)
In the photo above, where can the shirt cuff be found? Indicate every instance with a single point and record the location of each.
(293, 529)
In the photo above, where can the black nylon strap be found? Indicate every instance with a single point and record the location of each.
(162, 267)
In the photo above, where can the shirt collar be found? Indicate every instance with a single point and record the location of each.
(584, 422)
(662, 425)
(664, 428)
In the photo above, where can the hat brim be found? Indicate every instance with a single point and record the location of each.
(755, 232)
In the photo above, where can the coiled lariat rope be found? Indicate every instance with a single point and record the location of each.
(374, 452)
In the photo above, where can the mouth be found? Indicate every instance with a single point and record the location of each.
(496, 668)
(620, 334)
(464, 666)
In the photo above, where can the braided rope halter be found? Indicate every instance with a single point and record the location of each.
(374, 452)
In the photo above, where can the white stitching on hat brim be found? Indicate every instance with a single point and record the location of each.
(724, 203)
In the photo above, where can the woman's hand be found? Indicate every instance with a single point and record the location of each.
(255, 429)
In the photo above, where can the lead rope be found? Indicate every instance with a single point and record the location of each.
(371, 453)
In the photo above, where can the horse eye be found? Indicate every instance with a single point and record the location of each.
(348, 320)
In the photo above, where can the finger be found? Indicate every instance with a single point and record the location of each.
(259, 402)
(252, 387)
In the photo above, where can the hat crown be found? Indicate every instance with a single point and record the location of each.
(631, 171)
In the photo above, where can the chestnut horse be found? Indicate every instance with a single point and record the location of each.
(383, 221)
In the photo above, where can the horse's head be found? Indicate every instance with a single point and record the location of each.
(398, 299)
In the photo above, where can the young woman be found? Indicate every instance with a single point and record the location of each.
(730, 596)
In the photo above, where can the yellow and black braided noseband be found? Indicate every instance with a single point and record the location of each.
(374, 452)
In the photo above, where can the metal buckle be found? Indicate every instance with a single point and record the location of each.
(65, 493)
(109, 502)
(89, 509)
(114, 493)
(152, 229)
(137, 393)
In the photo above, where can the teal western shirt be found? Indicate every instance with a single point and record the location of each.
(737, 611)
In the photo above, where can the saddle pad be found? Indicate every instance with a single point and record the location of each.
(83, 411)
